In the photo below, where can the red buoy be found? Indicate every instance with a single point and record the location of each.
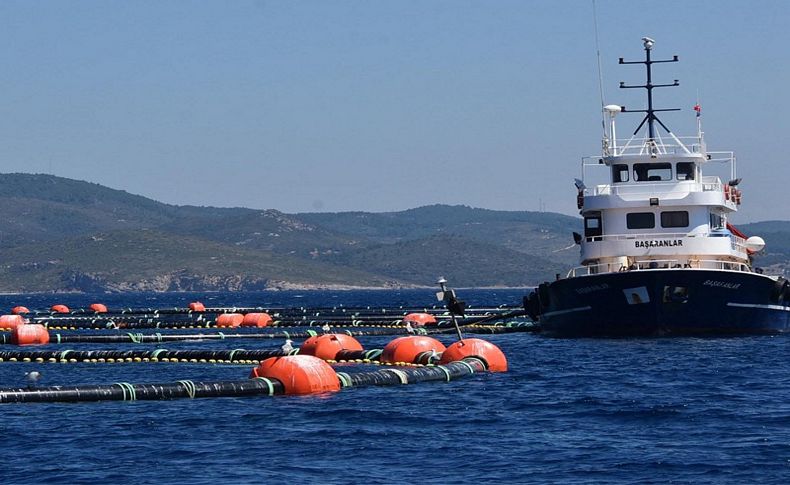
(300, 374)
(98, 307)
(33, 334)
(11, 321)
(196, 306)
(474, 347)
(406, 349)
(18, 310)
(420, 319)
(60, 309)
(327, 346)
(256, 320)
(309, 345)
(229, 319)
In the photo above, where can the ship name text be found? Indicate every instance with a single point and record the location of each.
(722, 284)
(590, 289)
(658, 243)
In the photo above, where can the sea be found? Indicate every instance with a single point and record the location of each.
(659, 410)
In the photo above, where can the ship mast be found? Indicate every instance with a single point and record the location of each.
(650, 116)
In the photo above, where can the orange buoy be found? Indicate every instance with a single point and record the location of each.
(60, 309)
(420, 319)
(17, 310)
(407, 349)
(11, 321)
(308, 346)
(327, 346)
(300, 374)
(33, 334)
(256, 320)
(98, 308)
(196, 306)
(474, 347)
(229, 319)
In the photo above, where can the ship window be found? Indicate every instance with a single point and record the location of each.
(685, 170)
(640, 220)
(652, 172)
(636, 296)
(592, 227)
(619, 173)
(675, 219)
(676, 294)
(716, 222)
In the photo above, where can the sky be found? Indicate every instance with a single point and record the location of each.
(378, 106)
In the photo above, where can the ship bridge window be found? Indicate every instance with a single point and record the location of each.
(675, 219)
(592, 227)
(652, 172)
(619, 173)
(685, 170)
(640, 220)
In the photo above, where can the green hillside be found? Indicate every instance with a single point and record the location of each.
(469, 262)
(149, 260)
(58, 234)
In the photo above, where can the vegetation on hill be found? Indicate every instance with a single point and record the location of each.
(66, 235)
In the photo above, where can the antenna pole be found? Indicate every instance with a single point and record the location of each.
(600, 70)
(649, 87)
(698, 109)
(650, 116)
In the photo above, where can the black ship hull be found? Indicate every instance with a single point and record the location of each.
(663, 302)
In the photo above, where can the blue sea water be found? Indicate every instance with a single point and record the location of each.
(680, 410)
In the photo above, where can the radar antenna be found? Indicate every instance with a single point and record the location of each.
(650, 116)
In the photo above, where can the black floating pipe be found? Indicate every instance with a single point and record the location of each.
(487, 318)
(140, 338)
(412, 375)
(159, 354)
(282, 312)
(174, 337)
(123, 391)
(372, 355)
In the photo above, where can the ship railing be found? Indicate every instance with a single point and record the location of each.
(737, 243)
(652, 264)
(709, 182)
(677, 188)
(672, 144)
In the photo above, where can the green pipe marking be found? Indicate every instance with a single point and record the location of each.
(345, 379)
(269, 384)
(446, 372)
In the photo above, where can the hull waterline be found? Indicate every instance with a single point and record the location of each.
(664, 302)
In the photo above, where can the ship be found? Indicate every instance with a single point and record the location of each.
(659, 256)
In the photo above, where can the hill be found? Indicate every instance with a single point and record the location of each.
(59, 234)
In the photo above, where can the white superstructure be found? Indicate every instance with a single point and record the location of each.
(658, 209)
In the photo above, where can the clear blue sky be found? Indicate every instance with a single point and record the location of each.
(377, 105)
